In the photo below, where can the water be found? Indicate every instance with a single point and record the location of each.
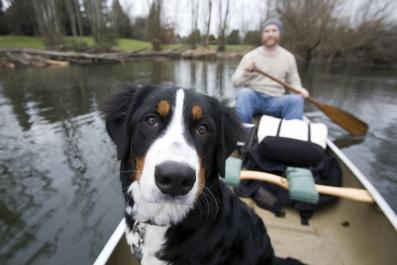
(60, 196)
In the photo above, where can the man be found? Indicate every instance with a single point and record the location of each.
(259, 94)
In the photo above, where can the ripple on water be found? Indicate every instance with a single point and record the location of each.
(59, 189)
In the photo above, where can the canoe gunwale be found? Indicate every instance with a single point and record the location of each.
(111, 244)
(380, 201)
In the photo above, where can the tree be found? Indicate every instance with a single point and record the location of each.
(168, 33)
(194, 37)
(74, 17)
(303, 29)
(47, 19)
(253, 37)
(244, 22)
(195, 7)
(139, 29)
(121, 22)
(368, 36)
(224, 11)
(208, 24)
(100, 23)
(3, 25)
(335, 34)
(20, 19)
(154, 24)
(234, 37)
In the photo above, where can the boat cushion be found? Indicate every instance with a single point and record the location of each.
(291, 148)
(301, 185)
(295, 129)
(290, 151)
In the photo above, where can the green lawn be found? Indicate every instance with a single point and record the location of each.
(126, 45)
(21, 42)
(239, 47)
(130, 45)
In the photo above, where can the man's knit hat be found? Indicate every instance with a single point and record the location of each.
(273, 21)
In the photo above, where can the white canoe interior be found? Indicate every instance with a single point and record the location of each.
(347, 232)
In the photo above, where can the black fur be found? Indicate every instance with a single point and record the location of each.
(224, 231)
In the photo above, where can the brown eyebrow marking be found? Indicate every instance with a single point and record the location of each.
(197, 112)
(163, 107)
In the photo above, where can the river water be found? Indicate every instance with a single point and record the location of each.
(60, 195)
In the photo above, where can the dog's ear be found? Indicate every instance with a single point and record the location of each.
(118, 109)
(230, 131)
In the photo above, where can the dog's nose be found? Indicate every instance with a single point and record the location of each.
(174, 178)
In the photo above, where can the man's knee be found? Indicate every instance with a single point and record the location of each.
(245, 104)
(245, 94)
(293, 101)
(293, 108)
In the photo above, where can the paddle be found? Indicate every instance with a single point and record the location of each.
(349, 122)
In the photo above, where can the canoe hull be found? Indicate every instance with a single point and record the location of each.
(346, 232)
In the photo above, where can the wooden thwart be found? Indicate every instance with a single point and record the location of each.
(348, 193)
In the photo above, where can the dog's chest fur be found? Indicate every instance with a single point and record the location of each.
(152, 241)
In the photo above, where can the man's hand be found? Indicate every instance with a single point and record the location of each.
(250, 68)
(304, 93)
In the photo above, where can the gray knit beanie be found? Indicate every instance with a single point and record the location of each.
(273, 21)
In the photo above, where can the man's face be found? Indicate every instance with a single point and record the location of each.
(270, 36)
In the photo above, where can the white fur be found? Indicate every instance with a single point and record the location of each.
(150, 202)
(161, 213)
(153, 241)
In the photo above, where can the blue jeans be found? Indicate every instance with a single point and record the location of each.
(250, 102)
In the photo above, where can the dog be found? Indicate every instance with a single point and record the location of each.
(172, 144)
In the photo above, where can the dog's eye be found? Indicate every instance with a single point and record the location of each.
(152, 121)
(202, 129)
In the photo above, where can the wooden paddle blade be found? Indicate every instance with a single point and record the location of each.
(348, 121)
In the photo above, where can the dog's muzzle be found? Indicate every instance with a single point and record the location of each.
(174, 179)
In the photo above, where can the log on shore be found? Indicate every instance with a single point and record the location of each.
(41, 58)
(11, 57)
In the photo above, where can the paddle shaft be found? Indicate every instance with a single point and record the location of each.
(348, 193)
(288, 87)
(352, 124)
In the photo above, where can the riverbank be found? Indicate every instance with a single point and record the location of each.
(24, 57)
(22, 51)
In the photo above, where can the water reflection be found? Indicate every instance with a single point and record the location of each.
(385, 159)
(59, 190)
(24, 185)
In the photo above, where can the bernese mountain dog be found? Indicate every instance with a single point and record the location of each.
(172, 144)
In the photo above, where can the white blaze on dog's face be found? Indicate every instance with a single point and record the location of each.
(173, 149)
(169, 181)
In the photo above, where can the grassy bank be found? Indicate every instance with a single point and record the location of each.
(126, 45)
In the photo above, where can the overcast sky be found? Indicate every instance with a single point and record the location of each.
(179, 11)
(243, 14)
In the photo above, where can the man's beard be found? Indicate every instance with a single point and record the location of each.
(271, 42)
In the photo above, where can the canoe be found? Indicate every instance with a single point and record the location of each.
(346, 232)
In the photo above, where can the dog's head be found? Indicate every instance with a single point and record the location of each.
(174, 141)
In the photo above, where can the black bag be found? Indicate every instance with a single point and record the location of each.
(327, 172)
(291, 151)
(272, 197)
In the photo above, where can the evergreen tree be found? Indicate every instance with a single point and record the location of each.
(121, 21)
